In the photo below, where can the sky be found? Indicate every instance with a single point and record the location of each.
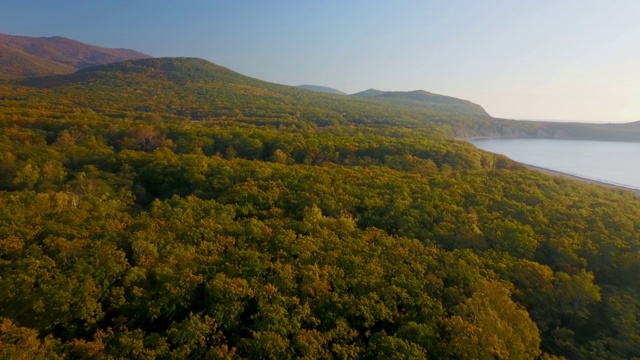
(519, 59)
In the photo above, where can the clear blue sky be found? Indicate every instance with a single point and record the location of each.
(537, 59)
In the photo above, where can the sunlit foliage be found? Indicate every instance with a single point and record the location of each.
(245, 227)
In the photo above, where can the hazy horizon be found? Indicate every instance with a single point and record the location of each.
(569, 61)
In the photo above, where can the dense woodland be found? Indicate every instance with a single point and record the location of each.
(172, 209)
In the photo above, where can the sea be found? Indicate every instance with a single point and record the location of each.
(616, 163)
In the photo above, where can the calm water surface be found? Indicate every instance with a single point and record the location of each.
(611, 162)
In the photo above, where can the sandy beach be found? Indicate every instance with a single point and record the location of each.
(573, 177)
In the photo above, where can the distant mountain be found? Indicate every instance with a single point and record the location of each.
(423, 100)
(585, 131)
(631, 125)
(16, 63)
(24, 56)
(322, 89)
(179, 88)
(368, 93)
(196, 89)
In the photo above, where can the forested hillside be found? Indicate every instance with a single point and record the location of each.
(423, 99)
(171, 208)
(322, 89)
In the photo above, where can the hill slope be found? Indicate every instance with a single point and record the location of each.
(24, 56)
(369, 93)
(200, 90)
(322, 89)
(197, 89)
(15, 63)
(423, 99)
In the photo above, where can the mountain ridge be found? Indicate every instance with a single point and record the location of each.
(216, 92)
(15, 64)
(422, 99)
(368, 93)
(158, 85)
(322, 89)
(25, 56)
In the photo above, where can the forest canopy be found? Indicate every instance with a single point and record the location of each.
(170, 208)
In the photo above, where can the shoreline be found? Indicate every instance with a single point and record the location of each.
(636, 192)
